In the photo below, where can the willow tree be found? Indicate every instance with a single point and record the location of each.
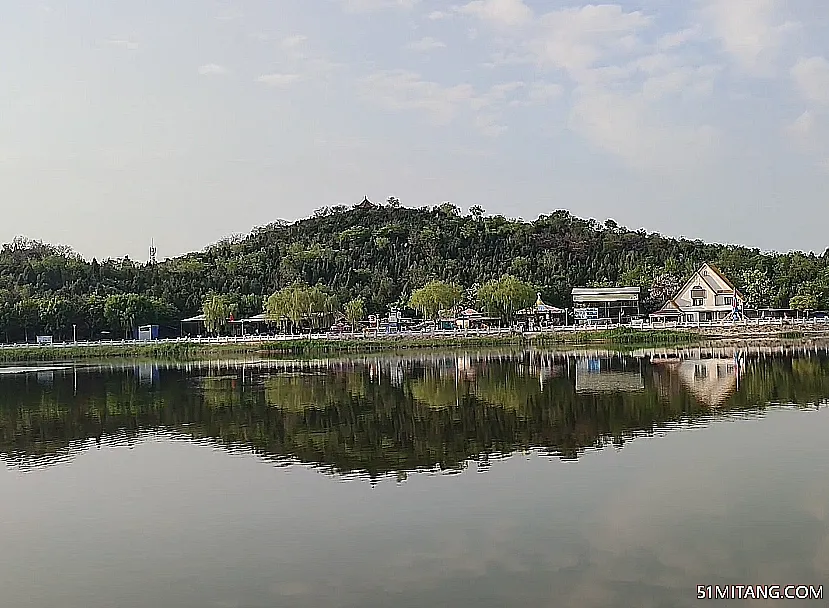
(217, 311)
(506, 296)
(297, 303)
(434, 297)
(355, 311)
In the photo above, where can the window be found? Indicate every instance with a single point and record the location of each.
(728, 300)
(698, 301)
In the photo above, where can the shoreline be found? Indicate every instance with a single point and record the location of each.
(305, 347)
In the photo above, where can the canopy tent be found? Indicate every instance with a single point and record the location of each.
(540, 308)
(260, 318)
(196, 319)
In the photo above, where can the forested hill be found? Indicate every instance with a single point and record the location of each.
(383, 252)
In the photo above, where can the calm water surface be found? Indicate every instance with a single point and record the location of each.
(464, 479)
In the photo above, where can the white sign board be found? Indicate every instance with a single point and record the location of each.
(586, 313)
(44, 339)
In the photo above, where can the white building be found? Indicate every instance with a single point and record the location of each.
(707, 296)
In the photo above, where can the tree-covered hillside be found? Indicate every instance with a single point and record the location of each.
(380, 253)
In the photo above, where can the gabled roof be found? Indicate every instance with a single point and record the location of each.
(669, 307)
(366, 204)
(715, 270)
(723, 278)
(540, 306)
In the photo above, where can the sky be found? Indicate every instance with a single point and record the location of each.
(185, 122)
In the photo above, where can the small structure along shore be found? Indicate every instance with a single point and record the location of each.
(317, 345)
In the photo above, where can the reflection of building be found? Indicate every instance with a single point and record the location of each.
(597, 375)
(605, 304)
(711, 381)
(707, 296)
(466, 368)
(147, 374)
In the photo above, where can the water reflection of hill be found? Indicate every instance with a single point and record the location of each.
(375, 416)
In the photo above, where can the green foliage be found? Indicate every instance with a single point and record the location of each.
(299, 303)
(354, 420)
(303, 347)
(803, 301)
(380, 253)
(435, 297)
(355, 311)
(506, 296)
(217, 310)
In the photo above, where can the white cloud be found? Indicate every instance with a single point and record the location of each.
(575, 39)
(751, 31)
(229, 13)
(674, 40)
(542, 92)
(212, 69)
(365, 6)
(278, 80)
(123, 43)
(487, 124)
(627, 126)
(824, 165)
(680, 80)
(438, 15)
(499, 12)
(405, 90)
(424, 45)
(629, 80)
(294, 41)
(539, 93)
(802, 127)
(811, 75)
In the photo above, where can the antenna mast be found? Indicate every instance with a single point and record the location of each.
(153, 251)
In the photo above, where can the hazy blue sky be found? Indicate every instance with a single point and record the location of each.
(191, 120)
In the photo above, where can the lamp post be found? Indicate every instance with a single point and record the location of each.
(74, 332)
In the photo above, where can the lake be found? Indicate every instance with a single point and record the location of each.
(470, 479)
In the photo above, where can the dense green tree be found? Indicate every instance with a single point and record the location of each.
(757, 288)
(300, 303)
(217, 311)
(27, 312)
(435, 297)
(354, 311)
(381, 253)
(804, 301)
(505, 296)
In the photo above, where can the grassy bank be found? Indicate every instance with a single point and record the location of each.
(621, 336)
(310, 348)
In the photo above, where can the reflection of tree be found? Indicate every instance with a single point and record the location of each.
(505, 387)
(436, 390)
(368, 423)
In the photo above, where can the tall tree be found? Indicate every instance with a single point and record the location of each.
(435, 297)
(217, 310)
(355, 311)
(506, 296)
